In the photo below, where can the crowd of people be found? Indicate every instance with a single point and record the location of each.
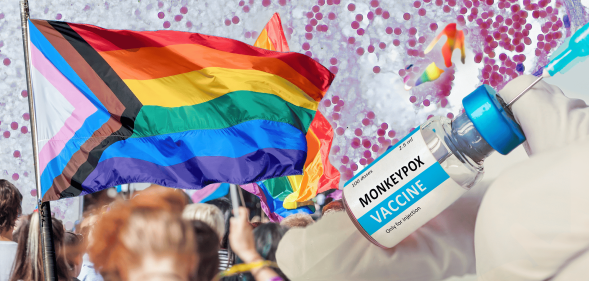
(156, 235)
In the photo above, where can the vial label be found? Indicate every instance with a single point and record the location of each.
(400, 191)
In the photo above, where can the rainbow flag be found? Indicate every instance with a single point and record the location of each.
(319, 175)
(172, 108)
(272, 193)
(272, 36)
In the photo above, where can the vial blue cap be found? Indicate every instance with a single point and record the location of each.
(494, 124)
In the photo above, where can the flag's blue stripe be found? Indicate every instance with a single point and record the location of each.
(55, 167)
(232, 142)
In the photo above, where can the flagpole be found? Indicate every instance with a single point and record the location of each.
(48, 248)
(234, 199)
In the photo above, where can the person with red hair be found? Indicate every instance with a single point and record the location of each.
(145, 238)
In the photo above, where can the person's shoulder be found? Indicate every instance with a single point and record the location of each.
(8, 246)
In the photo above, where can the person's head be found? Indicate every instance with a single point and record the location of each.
(85, 227)
(145, 238)
(208, 214)
(10, 209)
(333, 207)
(74, 250)
(208, 251)
(297, 220)
(267, 236)
(225, 206)
(28, 263)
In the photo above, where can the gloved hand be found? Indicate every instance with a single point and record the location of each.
(533, 223)
(333, 249)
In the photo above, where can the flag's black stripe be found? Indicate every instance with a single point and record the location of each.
(118, 87)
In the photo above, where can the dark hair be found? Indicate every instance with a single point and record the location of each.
(267, 236)
(28, 265)
(10, 209)
(225, 206)
(74, 249)
(207, 242)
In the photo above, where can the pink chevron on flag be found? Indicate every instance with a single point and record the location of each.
(57, 124)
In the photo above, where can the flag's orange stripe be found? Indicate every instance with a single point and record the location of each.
(110, 40)
(154, 63)
(264, 42)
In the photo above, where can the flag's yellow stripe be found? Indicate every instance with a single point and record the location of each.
(264, 42)
(204, 85)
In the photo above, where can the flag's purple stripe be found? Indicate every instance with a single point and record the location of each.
(198, 171)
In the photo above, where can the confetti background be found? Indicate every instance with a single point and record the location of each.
(373, 47)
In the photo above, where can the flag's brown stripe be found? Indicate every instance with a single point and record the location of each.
(85, 160)
(100, 90)
(82, 68)
(62, 182)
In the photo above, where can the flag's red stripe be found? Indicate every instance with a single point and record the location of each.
(276, 34)
(324, 132)
(110, 39)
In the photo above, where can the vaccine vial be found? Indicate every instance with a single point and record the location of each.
(429, 169)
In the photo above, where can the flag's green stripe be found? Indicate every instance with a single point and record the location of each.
(223, 112)
(278, 188)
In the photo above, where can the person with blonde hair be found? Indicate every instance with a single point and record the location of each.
(207, 213)
(299, 220)
(145, 238)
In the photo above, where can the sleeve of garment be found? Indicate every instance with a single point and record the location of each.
(533, 223)
(333, 249)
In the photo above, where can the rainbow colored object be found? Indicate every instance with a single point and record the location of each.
(173, 108)
(319, 175)
(431, 73)
(455, 40)
(272, 36)
(272, 193)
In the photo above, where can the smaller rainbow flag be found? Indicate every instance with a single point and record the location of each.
(431, 73)
(318, 173)
(272, 36)
(272, 193)
(454, 40)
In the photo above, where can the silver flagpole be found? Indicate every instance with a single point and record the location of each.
(49, 265)
(234, 199)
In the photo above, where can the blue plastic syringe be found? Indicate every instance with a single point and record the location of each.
(578, 47)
